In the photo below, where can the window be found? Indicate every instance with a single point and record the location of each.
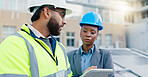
(144, 3)
(70, 39)
(129, 18)
(21, 5)
(9, 4)
(147, 26)
(147, 13)
(144, 14)
(98, 41)
(116, 17)
(1, 4)
(106, 16)
(108, 40)
(132, 18)
(8, 30)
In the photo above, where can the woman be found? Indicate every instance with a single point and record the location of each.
(88, 56)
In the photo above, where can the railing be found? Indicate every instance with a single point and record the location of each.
(124, 69)
(141, 52)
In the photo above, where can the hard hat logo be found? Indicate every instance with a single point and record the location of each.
(92, 18)
(56, 3)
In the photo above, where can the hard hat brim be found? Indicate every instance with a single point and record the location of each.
(68, 11)
(94, 24)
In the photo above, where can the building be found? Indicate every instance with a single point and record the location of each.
(11, 22)
(137, 31)
(12, 15)
(114, 33)
(112, 36)
(13, 5)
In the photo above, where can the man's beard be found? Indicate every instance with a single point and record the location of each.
(53, 27)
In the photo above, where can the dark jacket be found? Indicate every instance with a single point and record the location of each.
(100, 58)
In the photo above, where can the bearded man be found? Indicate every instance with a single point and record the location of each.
(33, 51)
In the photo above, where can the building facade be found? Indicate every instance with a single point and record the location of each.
(114, 33)
(112, 36)
(137, 31)
(11, 22)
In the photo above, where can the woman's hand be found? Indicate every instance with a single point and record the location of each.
(92, 67)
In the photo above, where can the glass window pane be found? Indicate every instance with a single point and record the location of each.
(72, 34)
(12, 29)
(98, 41)
(1, 4)
(70, 38)
(72, 42)
(8, 30)
(108, 40)
(68, 34)
(68, 42)
(5, 28)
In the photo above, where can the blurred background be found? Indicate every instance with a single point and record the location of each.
(125, 30)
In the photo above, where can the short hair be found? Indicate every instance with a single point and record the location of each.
(37, 13)
(94, 26)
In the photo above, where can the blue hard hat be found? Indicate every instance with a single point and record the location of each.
(92, 18)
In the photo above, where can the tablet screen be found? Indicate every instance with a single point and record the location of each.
(97, 73)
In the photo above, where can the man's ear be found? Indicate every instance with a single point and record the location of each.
(47, 12)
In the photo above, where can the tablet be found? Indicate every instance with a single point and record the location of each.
(97, 73)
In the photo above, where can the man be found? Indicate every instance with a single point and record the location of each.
(88, 56)
(33, 51)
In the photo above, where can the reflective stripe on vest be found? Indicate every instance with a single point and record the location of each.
(63, 73)
(68, 70)
(34, 64)
(65, 55)
(13, 75)
(32, 56)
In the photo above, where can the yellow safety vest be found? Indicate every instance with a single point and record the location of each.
(21, 55)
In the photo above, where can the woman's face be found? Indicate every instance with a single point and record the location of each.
(88, 34)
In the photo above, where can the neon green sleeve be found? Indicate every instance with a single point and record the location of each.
(14, 56)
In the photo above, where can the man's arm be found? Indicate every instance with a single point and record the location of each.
(14, 57)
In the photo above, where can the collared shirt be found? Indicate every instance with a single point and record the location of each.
(86, 58)
(39, 35)
(36, 32)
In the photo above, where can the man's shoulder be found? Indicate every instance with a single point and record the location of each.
(13, 43)
(12, 38)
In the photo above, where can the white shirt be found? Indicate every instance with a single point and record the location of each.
(36, 32)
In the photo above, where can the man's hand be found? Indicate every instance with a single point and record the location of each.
(92, 67)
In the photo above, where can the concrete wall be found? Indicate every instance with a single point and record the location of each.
(118, 33)
(137, 35)
(13, 18)
(71, 26)
(9, 18)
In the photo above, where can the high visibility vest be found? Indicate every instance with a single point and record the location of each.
(21, 55)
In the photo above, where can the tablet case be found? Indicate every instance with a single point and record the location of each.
(98, 73)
